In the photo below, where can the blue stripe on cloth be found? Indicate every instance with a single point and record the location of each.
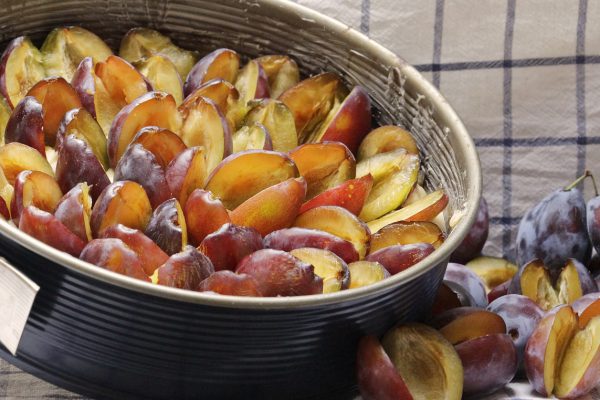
(580, 86)
(438, 28)
(507, 110)
(365, 16)
(507, 63)
(540, 141)
(505, 221)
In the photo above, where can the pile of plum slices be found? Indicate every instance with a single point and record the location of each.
(195, 173)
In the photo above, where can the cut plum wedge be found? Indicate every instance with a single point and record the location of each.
(377, 376)
(364, 273)
(407, 233)
(221, 92)
(151, 256)
(278, 120)
(492, 270)
(242, 175)
(140, 165)
(114, 255)
(162, 75)
(140, 43)
(427, 363)
(65, 47)
(295, 238)
(311, 100)
(47, 228)
(580, 367)
(227, 246)
(465, 323)
(385, 139)
(122, 202)
(323, 165)
(347, 122)
(273, 208)
(350, 195)
(339, 222)
(184, 270)
(26, 125)
(282, 72)
(186, 173)
(205, 125)
(84, 83)
(21, 67)
(546, 348)
(398, 258)
(548, 291)
(204, 215)
(389, 192)
(424, 209)
(251, 83)
(74, 210)
(80, 123)
(76, 151)
(331, 268)
(57, 97)
(151, 109)
(167, 227)
(229, 283)
(117, 83)
(253, 137)
(218, 64)
(163, 143)
(34, 188)
(16, 157)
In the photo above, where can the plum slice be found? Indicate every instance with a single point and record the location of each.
(140, 43)
(21, 67)
(242, 175)
(385, 139)
(65, 47)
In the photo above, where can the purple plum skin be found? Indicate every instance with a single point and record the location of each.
(473, 243)
(554, 230)
(521, 315)
(467, 283)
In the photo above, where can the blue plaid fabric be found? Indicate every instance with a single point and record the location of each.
(524, 77)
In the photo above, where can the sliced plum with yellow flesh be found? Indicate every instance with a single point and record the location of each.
(57, 97)
(75, 209)
(205, 125)
(242, 175)
(323, 165)
(278, 120)
(16, 157)
(348, 123)
(151, 109)
(65, 47)
(21, 67)
(282, 73)
(122, 202)
(140, 43)
(311, 100)
(162, 75)
(34, 188)
(80, 123)
(220, 63)
(390, 188)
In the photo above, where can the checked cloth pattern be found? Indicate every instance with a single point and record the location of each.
(523, 75)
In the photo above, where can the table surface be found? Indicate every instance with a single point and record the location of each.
(523, 77)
